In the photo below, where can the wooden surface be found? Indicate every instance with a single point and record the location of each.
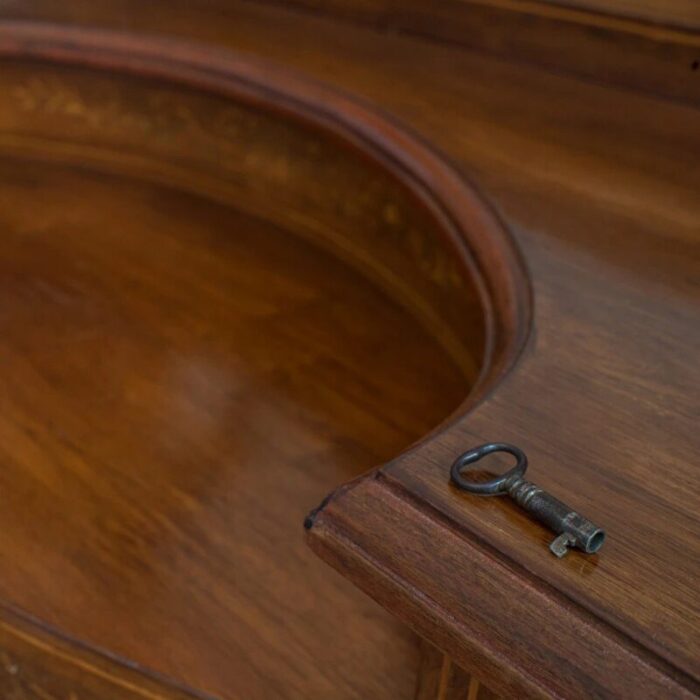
(681, 13)
(181, 384)
(604, 399)
(599, 186)
(38, 663)
(184, 380)
(648, 45)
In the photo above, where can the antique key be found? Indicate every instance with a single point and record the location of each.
(573, 530)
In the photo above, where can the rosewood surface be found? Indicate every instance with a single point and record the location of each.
(180, 384)
(600, 189)
(649, 45)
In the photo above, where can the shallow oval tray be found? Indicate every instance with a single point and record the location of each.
(226, 290)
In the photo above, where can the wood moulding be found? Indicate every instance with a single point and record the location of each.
(442, 251)
(510, 629)
(243, 133)
(604, 380)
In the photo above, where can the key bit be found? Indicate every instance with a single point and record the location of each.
(573, 530)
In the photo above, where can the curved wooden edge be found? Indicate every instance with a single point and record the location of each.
(467, 223)
(38, 662)
(380, 537)
(460, 215)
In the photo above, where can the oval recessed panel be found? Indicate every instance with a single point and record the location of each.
(224, 293)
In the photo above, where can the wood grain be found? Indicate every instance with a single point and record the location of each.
(648, 45)
(604, 400)
(679, 13)
(37, 663)
(521, 636)
(106, 387)
(599, 186)
(177, 392)
(439, 678)
(300, 142)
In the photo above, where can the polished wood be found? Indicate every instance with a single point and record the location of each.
(182, 382)
(680, 13)
(599, 186)
(517, 633)
(37, 663)
(648, 45)
(603, 399)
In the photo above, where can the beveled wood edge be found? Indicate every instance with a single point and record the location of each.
(379, 536)
(25, 641)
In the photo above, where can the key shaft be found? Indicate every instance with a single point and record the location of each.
(572, 529)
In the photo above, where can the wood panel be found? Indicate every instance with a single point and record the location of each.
(599, 186)
(520, 635)
(601, 189)
(177, 390)
(679, 13)
(123, 399)
(649, 45)
(394, 231)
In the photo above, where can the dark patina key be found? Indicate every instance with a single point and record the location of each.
(573, 530)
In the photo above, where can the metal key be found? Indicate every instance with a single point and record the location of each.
(573, 530)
